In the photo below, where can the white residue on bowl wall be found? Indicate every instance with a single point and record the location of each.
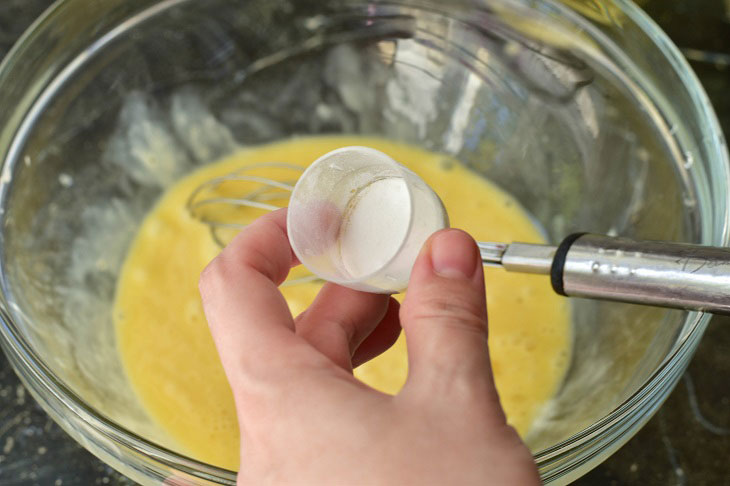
(412, 94)
(153, 147)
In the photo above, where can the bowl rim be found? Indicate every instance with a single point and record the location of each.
(25, 360)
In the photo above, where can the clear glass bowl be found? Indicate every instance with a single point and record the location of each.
(582, 109)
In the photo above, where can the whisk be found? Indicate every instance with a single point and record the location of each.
(665, 274)
(217, 205)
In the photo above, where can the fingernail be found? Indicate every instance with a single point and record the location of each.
(453, 254)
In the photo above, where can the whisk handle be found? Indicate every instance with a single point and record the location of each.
(656, 273)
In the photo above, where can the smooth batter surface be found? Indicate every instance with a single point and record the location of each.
(169, 354)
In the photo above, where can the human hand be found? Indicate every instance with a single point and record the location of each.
(304, 418)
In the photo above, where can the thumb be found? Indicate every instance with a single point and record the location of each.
(444, 317)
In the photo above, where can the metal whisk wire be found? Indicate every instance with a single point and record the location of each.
(266, 191)
(254, 199)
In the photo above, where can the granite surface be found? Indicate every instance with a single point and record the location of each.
(686, 443)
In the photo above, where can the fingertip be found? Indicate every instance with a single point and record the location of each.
(262, 246)
(382, 338)
(205, 279)
(339, 320)
(280, 216)
(454, 254)
(450, 261)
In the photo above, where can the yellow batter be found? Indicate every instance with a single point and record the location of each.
(169, 355)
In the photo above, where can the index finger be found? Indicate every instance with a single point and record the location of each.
(248, 317)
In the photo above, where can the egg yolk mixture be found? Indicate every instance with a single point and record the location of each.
(169, 355)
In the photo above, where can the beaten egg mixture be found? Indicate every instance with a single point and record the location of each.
(169, 355)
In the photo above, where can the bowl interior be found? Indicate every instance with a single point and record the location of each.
(546, 113)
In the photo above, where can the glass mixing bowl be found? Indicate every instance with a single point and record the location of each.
(581, 109)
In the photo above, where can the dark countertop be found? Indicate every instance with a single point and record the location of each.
(686, 443)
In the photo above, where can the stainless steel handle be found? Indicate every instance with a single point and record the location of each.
(648, 272)
(655, 273)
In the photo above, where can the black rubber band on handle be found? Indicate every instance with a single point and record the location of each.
(556, 270)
